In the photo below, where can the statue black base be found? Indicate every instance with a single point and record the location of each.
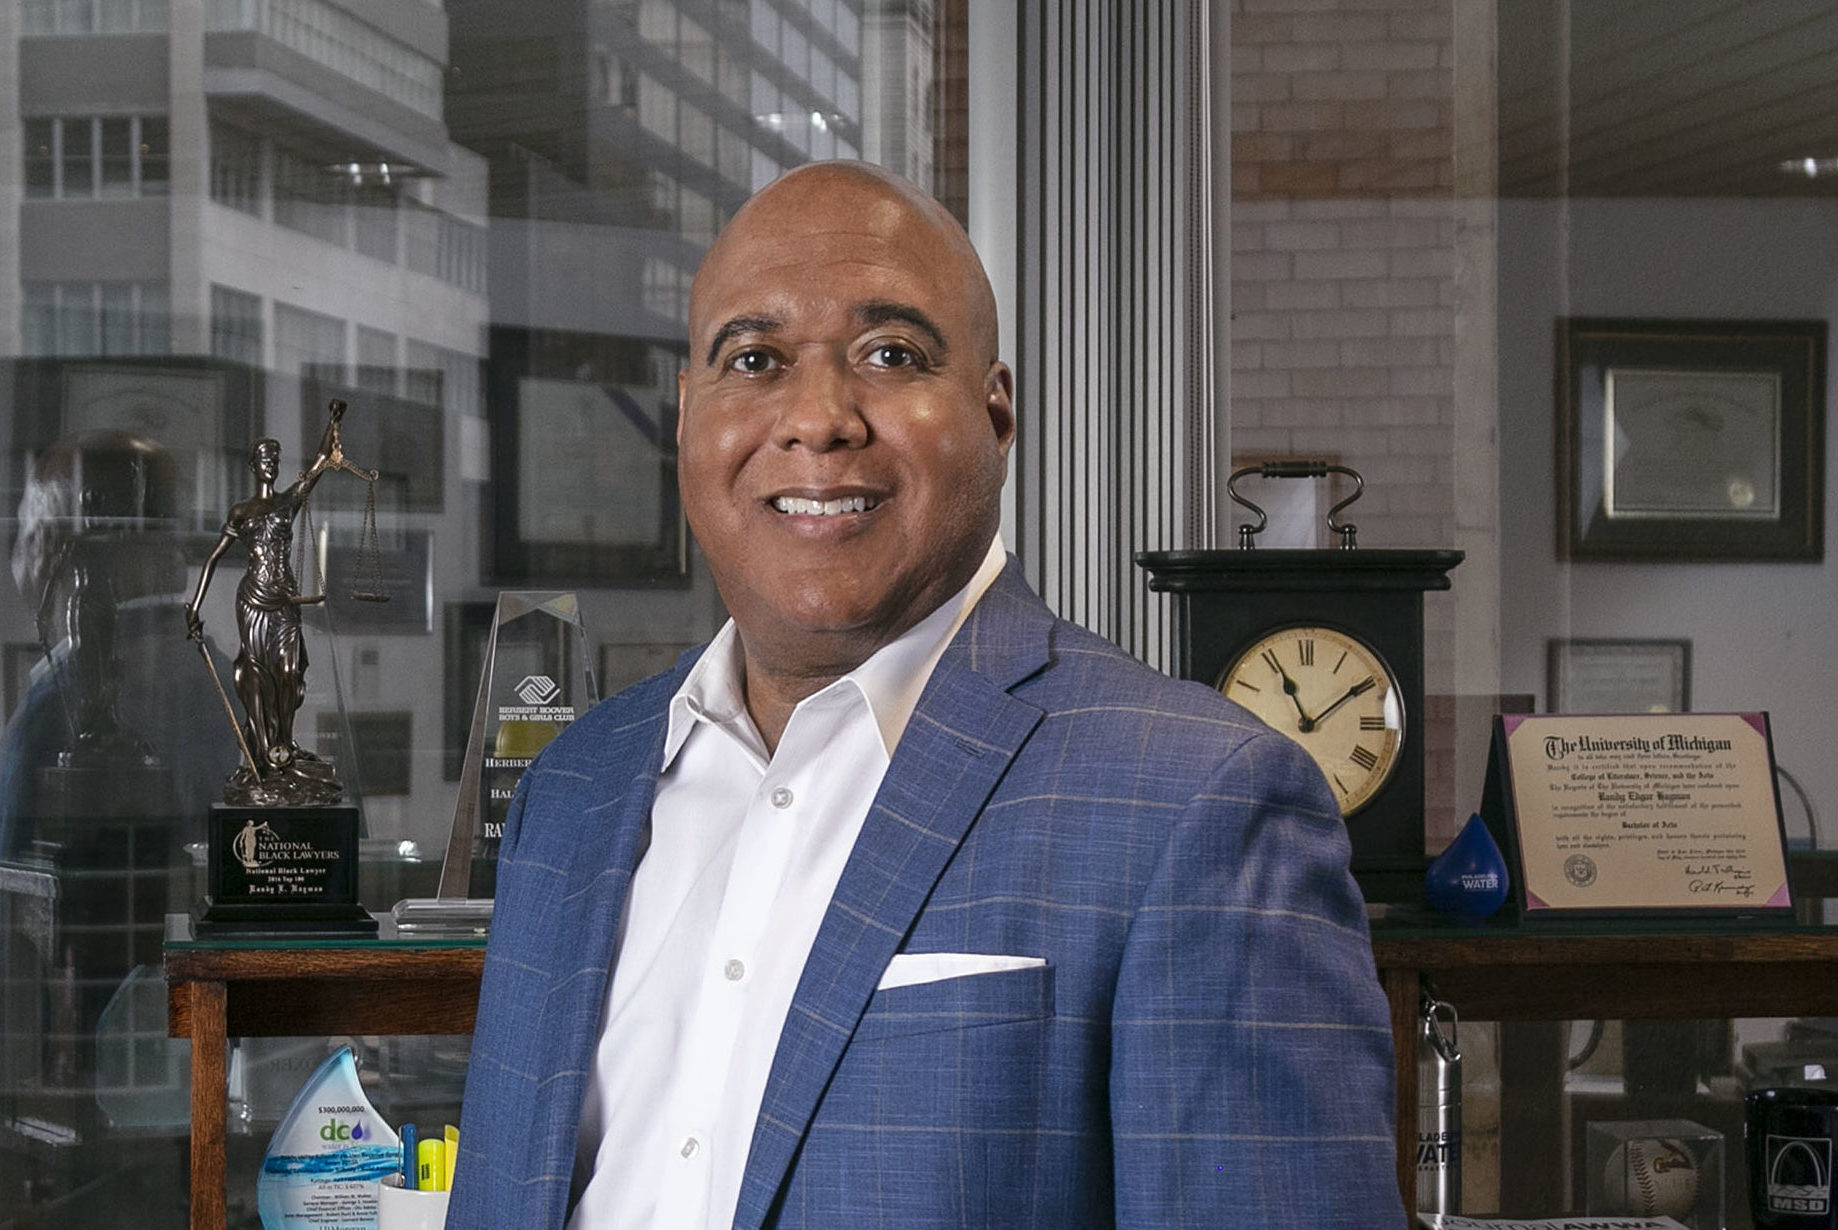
(282, 871)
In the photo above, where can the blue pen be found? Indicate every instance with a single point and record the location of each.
(408, 1156)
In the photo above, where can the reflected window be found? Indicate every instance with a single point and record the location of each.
(236, 326)
(477, 223)
(95, 318)
(40, 158)
(95, 16)
(236, 169)
(85, 157)
(78, 161)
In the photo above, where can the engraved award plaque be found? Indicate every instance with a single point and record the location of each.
(536, 680)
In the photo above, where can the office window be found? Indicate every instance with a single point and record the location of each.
(696, 133)
(376, 360)
(439, 376)
(344, 43)
(236, 326)
(308, 342)
(78, 163)
(95, 16)
(309, 198)
(40, 157)
(519, 288)
(117, 156)
(236, 169)
(696, 50)
(153, 151)
(85, 157)
(375, 207)
(95, 318)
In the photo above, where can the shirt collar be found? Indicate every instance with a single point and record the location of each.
(891, 681)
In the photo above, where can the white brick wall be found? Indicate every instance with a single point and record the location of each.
(1348, 237)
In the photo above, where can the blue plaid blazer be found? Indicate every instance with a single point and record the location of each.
(1205, 1046)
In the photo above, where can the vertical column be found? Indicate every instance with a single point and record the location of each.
(1476, 392)
(190, 135)
(1114, 353)
(12, 184)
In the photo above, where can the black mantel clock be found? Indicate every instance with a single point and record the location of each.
(1327, 647)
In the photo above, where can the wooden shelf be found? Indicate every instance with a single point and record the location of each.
(1526, 973)
(292, 989)
(1495, 973)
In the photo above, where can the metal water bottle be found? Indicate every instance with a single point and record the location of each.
(1438, 1109)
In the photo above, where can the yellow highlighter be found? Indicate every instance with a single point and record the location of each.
(452, 1143)
(430, 1165)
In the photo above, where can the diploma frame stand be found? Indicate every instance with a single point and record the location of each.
(1673, 815)
(537, 678)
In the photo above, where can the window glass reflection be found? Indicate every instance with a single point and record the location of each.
(476, 224)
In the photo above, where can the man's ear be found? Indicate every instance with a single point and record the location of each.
(682, 386)
(999, 400)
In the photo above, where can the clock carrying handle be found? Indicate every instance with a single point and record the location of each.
(1345, 532)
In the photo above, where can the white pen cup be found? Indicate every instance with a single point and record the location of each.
(404, 1208)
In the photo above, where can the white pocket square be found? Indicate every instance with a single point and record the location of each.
(912, 968)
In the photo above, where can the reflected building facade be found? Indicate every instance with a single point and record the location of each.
(476, 221)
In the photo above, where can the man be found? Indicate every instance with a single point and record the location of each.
(905, 904)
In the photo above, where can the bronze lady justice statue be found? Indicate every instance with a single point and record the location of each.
(270, 668)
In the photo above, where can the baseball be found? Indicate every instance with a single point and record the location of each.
(1651, 1178)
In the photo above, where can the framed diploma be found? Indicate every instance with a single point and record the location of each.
(1690, 439)
(1646, 813)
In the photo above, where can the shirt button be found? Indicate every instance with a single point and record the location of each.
(781, 797)
(690, 1146)
(734, 970)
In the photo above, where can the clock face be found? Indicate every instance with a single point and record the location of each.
(1332, 693)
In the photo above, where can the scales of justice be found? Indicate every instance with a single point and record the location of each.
(283, 843)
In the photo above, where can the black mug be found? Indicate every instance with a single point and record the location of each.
(1790, 1142)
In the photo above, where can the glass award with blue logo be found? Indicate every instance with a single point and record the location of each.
(537, 678)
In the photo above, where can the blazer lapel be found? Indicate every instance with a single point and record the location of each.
(611, 833)
(961, 740)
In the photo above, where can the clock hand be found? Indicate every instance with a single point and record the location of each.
(1290, 689)
(1364, 685)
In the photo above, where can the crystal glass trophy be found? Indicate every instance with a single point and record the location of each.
(537, 679)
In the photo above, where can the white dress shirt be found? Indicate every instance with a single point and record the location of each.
(745, 852)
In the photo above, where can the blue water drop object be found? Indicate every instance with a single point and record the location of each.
(1469, 878)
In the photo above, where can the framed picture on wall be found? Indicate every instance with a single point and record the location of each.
(1604, 675)
(1690, 439)
(204, 413)
(382, 757)
(583, 444)
(402, 440)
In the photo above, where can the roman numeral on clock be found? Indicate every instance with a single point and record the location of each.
(1305, 651)
(1368, 722)
(1364, 758)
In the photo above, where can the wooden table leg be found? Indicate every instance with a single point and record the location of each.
(209, 1103)
(1532, 1064)
(1403, 990)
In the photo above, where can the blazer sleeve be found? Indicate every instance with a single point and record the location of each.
(1252, 1072)
(488, 1183)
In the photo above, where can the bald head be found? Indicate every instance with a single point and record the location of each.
(788, 213)
(843, 425)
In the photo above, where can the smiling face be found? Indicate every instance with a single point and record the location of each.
(844, 423)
